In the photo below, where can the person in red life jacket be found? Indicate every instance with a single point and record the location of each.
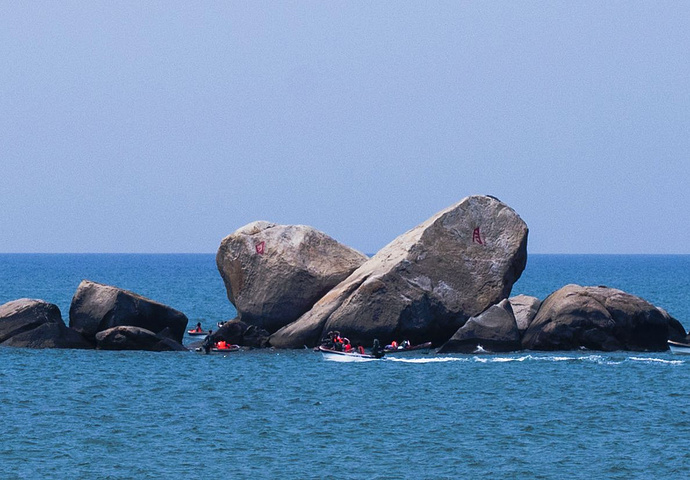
(338, 342)
(221, 345)
(198, 328)
(360, 348)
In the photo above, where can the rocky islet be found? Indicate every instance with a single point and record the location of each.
(447, 280)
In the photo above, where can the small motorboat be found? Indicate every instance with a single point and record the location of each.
(678, 347)
(196, 333)
(420, 348)
(336, 356)
(228, 349)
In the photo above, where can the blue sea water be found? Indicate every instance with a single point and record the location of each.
(291, 414)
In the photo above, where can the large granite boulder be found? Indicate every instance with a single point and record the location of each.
(36, 324)
(495, 330)
(135, 338)
(96, 307)
(238, 332)
(599, 318)
(525, 308)
(425, 284)
(275, 273)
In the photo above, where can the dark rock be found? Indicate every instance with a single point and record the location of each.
(240, 333)
(275, 273)
(525, 308)
(495, 330)
(97, 307)
(36, 324)
(599, 318)
(425, 284)
(135, 338)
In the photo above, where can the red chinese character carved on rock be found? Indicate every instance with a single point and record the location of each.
(477, 237)
(261, 248)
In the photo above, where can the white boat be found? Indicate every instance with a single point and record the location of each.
(336, 356)
(677, 347)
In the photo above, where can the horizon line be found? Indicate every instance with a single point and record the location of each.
(368, 254)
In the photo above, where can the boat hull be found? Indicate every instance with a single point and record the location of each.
(336, 356)
(679, 348)
(421, 348)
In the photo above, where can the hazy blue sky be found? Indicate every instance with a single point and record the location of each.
(164, 126)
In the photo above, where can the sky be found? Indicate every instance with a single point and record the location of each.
(165, 126)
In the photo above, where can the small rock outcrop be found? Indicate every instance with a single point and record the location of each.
(240, 333)
(135, 338)
(525, 308)
(425, 284)
(275, 273)
(494, 330)
(36, 324)
(96, 307)
(599, 318)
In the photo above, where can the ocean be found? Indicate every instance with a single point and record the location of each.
(291, 414)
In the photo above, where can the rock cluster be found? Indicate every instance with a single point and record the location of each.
(426, 283)
(36, 324)
(101, 316)
(448, 281)
(600, 318)
(97, 307)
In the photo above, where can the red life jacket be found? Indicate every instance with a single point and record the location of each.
(361, 349)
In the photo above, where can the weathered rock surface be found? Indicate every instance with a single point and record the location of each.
(525, 308)
(426, 283)
(36, 324)
(96, 307)
(275, 273)
(599, 318)
(240, 333)
(495, 330)
(135, 338)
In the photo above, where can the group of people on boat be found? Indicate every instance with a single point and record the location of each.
(398, 346)
(334, 341)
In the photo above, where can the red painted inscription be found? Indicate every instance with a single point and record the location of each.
(477, 237)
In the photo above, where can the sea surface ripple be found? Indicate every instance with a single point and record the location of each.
(292, 414)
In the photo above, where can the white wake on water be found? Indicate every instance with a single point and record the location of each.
(593, 358)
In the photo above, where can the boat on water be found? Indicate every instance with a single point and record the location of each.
(420, 348)
(678, 347)
(229, 349)
(337, 356)
(196, 333)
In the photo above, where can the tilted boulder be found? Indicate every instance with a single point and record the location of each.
(96, 307)
(238, 332)
(495, 330)
(599, 318)
(525, 308)
(425, 284)
(36, 324)
(275, 273)
(135, 338)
